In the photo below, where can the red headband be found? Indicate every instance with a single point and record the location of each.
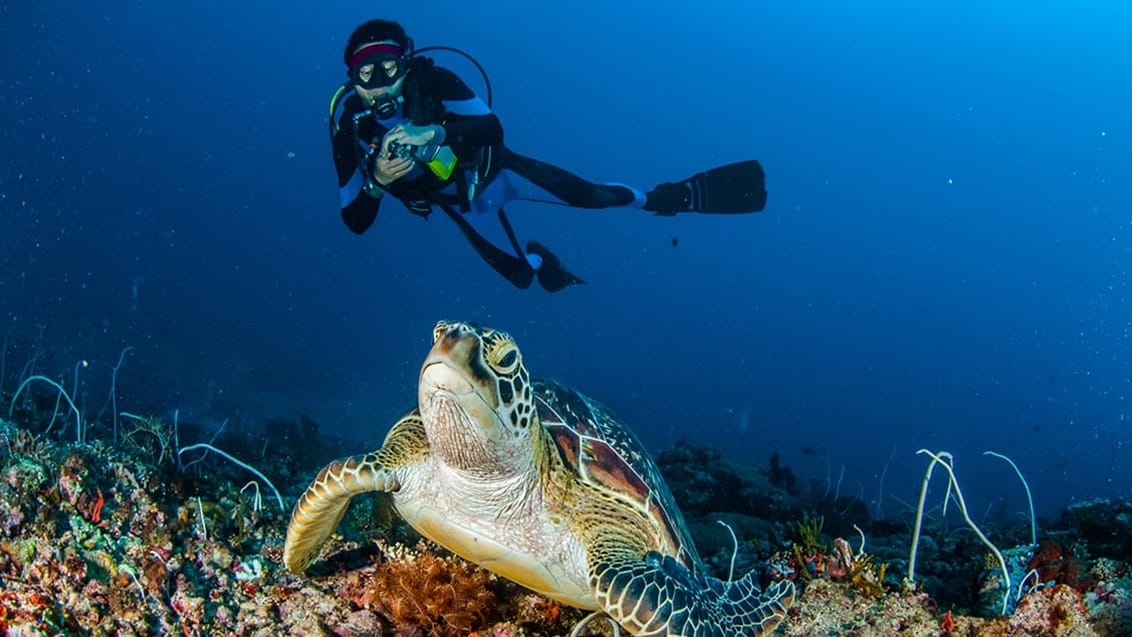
(368, 50)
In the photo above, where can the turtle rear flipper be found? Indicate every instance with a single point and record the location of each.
(322, 505)
(658, 595)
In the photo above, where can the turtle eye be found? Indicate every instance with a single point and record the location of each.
(506, 362)
(509, 359)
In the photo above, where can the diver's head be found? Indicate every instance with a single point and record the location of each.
(377, 58)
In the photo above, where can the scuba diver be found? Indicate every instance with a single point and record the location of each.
(404, 127)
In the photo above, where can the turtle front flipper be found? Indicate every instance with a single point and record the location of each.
(657, 595)
(322, 505)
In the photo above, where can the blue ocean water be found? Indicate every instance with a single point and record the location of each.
(943, 261)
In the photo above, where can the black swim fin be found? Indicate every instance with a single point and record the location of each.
(551, 275)
(731, 189)
(515, 269)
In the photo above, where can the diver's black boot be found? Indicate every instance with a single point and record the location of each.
(551, 275)
(730, 189)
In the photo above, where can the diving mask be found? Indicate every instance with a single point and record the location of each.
(370, 67)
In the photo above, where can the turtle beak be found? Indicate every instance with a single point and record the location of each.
(460, 349)
(439, 377)
(456, 398)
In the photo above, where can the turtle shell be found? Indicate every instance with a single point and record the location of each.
(603, 452)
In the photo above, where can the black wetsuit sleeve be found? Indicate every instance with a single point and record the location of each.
(469, 122)
(359, 208)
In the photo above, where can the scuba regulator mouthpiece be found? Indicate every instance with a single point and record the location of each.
(385, 106)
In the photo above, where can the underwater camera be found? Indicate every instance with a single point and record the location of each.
(397, 150)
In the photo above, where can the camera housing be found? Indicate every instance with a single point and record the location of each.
(398, 150)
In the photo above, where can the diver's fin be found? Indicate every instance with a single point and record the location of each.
(515, 269)
(551, 275)
(730, 189)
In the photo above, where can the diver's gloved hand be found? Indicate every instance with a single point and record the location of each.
(414, 135)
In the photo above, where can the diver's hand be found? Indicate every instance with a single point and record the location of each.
(389, 169)
(412, 135)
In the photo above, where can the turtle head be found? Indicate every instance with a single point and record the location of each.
(476, 399)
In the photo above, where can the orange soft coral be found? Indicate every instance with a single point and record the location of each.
(442, 596)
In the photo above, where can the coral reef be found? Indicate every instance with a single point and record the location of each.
(123, 539)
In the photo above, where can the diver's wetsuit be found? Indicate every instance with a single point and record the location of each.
(487, 175)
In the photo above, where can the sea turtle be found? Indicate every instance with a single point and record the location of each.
(542, 485)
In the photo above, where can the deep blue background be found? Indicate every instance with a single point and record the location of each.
(943, 261)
